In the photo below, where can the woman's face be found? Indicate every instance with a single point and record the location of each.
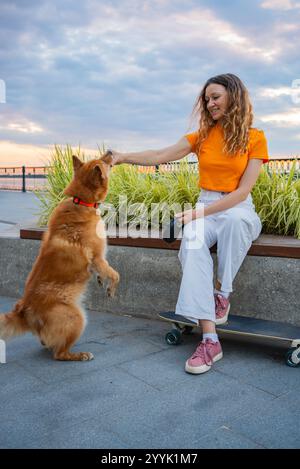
(216, 97)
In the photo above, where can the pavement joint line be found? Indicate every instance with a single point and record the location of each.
(28, 371)
(8, 222)
(241, 381)
(252, 440)
(139, 378)
(249, 412)
(70, 426)
(229, 429)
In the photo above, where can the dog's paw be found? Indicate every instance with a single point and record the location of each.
(86, 356)
(110, 292)
(99, 280)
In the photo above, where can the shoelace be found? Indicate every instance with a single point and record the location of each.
(203, 352)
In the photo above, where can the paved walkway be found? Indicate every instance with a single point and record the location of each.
(17, 209)
(135, 393)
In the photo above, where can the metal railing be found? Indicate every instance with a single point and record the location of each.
(24, 178)
(275, 165)
(28, 178)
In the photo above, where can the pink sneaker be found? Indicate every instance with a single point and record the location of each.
(206, 353)
(222, 308)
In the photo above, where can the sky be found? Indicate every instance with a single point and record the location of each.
(126, 73)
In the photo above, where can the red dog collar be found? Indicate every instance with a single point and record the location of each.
(78, 201)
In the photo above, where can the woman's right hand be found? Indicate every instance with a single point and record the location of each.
(116, 157)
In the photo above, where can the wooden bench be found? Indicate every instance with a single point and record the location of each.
(265, 245)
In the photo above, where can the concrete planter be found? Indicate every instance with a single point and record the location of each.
(265, 287)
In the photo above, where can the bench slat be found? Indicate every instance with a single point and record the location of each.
(265, 245)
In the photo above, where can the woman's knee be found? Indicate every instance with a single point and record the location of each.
(238, 221)
(233, 217)
(238, 228)
(235, 221)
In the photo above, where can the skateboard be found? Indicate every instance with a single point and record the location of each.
(259, 331)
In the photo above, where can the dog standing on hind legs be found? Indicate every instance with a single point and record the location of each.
(72, 248)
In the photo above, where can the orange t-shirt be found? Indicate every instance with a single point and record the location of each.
(217, 170)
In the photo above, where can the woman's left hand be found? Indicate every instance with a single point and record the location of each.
(187, 216)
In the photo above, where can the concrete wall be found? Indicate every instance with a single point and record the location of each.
(265, 287)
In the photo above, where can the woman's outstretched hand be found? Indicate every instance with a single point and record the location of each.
(116, 157)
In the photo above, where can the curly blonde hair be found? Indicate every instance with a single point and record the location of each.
(237, 120)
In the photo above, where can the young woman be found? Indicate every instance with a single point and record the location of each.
(230, 154)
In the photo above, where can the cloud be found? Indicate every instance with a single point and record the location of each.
(127, 73)
(16, 125)
(15, 154)
(293, 92)
(188, 30)
(280, 4)
(203, 25)
(275, 92)
(22, 126)
(289, 118)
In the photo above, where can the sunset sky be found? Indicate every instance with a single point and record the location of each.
(126, 73)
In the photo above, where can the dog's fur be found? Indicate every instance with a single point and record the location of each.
(72, 248)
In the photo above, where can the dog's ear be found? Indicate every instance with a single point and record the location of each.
(76, 162)
(101, 171)
(97, 170)
(107, 157)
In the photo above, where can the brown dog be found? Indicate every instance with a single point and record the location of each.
(72, 248)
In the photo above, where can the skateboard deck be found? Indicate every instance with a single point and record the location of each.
(243, 328)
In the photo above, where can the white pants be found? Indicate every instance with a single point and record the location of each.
(233, 230)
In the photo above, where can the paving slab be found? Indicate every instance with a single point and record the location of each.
(275, 425)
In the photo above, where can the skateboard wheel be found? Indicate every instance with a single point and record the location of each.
(173, 337)
(292, 357)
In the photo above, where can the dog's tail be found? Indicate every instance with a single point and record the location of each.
(13, 323)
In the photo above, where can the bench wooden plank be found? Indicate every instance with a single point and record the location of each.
(265, 245)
